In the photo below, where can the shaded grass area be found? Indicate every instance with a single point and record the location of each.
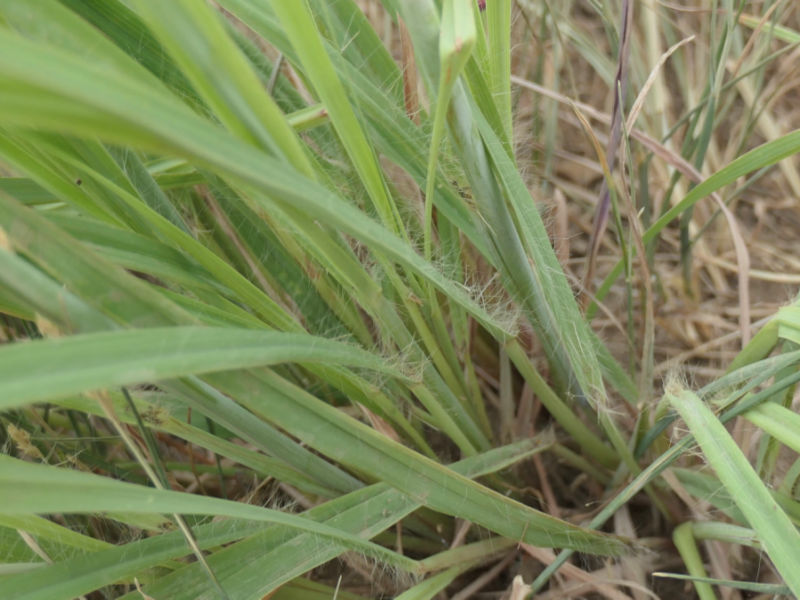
(414, 299)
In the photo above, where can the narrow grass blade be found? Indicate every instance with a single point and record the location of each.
(133, 303)
(195, 37)
(511, 247)
(173, 128)
(781, 32)
(499, 50)
(779, 536)
(86, 274)
(159, 416)
(770, 589)
(684, 541)
(781, 423)
(29, 488)
(299, 26)
(41, 528)
(306, 589)
(257, 565)
(46, 297)
(431, 586)
(26, 191)
(279, 550)
(455, 46)
(362, 448)
(40, 370)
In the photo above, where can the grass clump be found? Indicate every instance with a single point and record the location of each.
(367, 299)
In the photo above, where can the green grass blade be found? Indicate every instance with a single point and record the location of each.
(369, 505)
(684, 541)
(71, 578)
(26, 191)
(195, 37)
(431, 586)
(498, 31)
(86, 274)
(299, 25)
(134, 303)
(352, 37)
(362, 448)
(41, 528)
(305, 589)
(779, 536)
(29, 488)
(781, 423)
(255, 566)
(160, 418)
(770, 589)
(136, 252)
(781, 32)
(172, 128)
(455, 46)
(46, 297)
(41, 370)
